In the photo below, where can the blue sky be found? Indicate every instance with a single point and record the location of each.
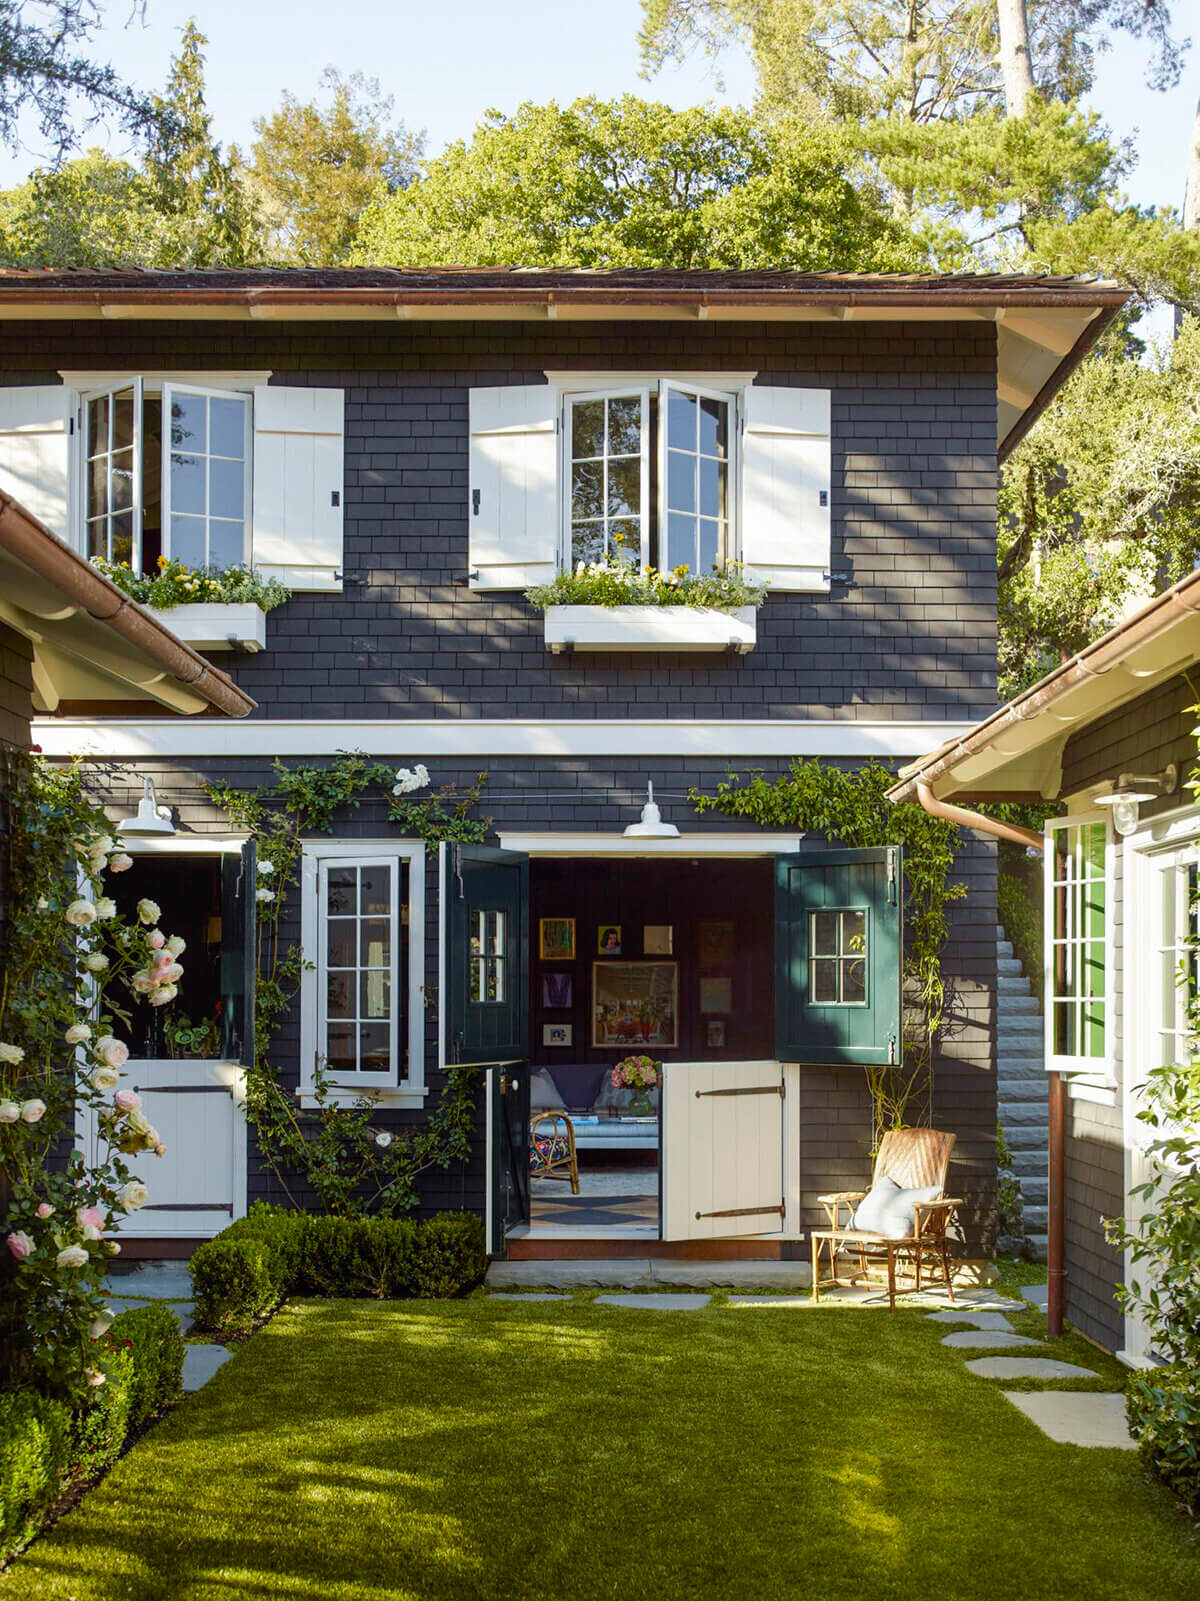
(446, 63)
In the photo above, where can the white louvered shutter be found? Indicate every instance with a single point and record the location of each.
(786, 484)
(35, 451)
(299, 483)
(512, 513)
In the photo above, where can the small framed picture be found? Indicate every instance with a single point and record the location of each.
(556, 939)
(716, 995)
(658, 939)
(608, 939)
(716, 943)
(715, 1033)
(558, 991)
(557, 1033)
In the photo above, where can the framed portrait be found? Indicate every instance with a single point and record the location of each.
(556, 939)
(558, 991)
(716, 995)
(608, 939)
(658, 939)
(715, 1033)
(635, 1005)
(716, 943)
(557, 1033)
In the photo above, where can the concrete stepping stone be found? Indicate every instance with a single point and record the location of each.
(986, 1340)
(656, 1303)
(1026, 1367)
(988, 1301)
(200, 1362)
(152, 1281)
(770, 1300)
(977, 1320)
(531, 1295)
(1035, 1294)
(1076, 1417)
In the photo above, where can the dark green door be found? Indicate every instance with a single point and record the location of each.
(487, 1009)
(839, 956)
(239, 954)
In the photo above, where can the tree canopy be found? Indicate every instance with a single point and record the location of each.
(630, 182)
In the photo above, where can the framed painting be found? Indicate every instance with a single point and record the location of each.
(635, 1004)
(557, 1033)
(558, 991)
(556, 939)
(717, 943)
(608, 939)
(658, 939)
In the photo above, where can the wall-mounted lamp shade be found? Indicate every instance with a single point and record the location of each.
(150, 818)
(1131, 791)
(651, 825)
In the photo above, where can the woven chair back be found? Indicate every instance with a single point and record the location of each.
(914, 1158)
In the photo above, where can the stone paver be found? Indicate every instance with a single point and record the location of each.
(770, 1300)
(1077, 1417)
(1026, 1367)
(634, 1272)
(152, 1281)
(1035, 1294)
(986, 1340)
(656, 1303)
(200, 1362)
(978, 1320)
(529, 1295)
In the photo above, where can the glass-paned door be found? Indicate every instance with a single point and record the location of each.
(112, 489)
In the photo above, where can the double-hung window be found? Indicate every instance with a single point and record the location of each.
(649, 478)
(166, 473)
(1078, 924)
(363, 1019)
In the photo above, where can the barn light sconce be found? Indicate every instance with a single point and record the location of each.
(151, 818)
(1131, 790)
(651, 825)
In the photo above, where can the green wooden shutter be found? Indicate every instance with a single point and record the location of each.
(838, 956)
(487, 954)
(239, 954)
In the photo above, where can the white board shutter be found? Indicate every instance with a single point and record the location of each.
(786, 482)
(35, 452)
(513, 509)
(299, 481)
(722, 1150)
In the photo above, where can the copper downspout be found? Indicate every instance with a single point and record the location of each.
(1056, 1134)
(45, 554)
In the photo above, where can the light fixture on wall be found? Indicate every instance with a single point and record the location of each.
(651, 825)
(151, 818)
(1130, 792)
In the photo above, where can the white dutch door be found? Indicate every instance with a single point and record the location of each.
(199, 1186)
(722, 1148)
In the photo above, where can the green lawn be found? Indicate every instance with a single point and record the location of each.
(481, 1449)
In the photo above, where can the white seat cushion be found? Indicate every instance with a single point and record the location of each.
(888, 1210)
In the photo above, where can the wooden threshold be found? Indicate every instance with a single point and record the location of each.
(526, 1250)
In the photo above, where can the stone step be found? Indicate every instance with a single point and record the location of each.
(1012, 1005)
(1016, 1029)
(1033, 1193)
(1004, 949)
(1035, 1219)
(1026, 1137)
(1023, 1084)
(1009, 966)
(1020, 1114)
(1022, 1061)
(1029, 1165)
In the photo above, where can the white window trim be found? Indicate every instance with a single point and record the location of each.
(1092, 1078)
(345, 1091)
(724, 386)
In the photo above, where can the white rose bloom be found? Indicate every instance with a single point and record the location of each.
(149, 912)
(163, 996)
(106, 907)
(43, 904)
(33, 1111)
(9, 1111)
(120, 863)
(264, 894)
(175, 946)
(81, 914)
(265, 867)
(77, 1033)
(383, 1139)
(99, 1326)
(96, 963)
(112, 1052)
(133, 1196)
(90, 1232)
(173, 973)
(143, 981)
(72, 1256)
(11, 1053)
(104, 1079)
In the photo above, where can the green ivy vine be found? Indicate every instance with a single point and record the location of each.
(351, 1166)
(852, 807)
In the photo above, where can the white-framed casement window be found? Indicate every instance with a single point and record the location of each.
(665, 470)
(166, 472)
(363, 1020)
(1079, 883)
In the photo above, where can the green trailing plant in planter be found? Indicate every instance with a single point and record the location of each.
(173, 585)
(620, 583)
(851, 808)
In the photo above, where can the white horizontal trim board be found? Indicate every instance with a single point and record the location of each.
(445, 738)
(688, 844)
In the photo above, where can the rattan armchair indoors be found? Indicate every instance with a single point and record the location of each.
(552, 1152)
(914, 1158)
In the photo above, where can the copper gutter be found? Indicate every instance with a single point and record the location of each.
(1156, 618)
(976, 820)
(32, 543)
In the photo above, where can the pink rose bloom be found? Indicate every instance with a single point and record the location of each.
(173, 973)
(161, 962)
(160, 1150)
(90, 1215)
(163, 996)
(45, 1210)
(90, 1231)
(121, 863)
(20, 1244)
(143, 981)
(95, 1378)
(112, 1052)
(156, 939)
(127, 1100)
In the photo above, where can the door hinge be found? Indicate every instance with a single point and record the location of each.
(891, 1050)
(475, 495)
(891, 875)
(823, 497)
(458, 871)
(335, 497)
(747, 1089)
(744, 1211)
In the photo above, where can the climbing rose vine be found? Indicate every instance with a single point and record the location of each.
(74, 968)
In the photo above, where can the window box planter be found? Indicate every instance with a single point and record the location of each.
(645, 628)
(212, 625)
